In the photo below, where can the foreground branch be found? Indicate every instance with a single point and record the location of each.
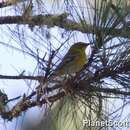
(26, 104)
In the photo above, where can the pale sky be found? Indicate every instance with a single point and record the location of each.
(13, 62)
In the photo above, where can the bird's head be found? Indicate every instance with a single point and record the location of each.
(80, 46)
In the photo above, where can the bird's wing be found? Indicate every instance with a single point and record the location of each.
(68, 59)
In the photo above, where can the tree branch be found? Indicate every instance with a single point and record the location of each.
(22, 77)
(26, 104)
(113, 91)
(63, 22)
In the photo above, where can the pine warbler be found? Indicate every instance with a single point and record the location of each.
(73, 61)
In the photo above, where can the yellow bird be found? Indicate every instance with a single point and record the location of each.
(73, 61)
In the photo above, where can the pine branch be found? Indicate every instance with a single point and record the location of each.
(26, 103)
(63, 22)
